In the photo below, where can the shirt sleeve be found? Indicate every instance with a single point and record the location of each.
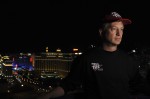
(75, 77)
(138, 83)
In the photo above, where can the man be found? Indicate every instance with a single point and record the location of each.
(105, 71)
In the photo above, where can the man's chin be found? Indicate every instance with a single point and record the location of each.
(116, 44)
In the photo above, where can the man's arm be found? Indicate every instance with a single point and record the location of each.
(56, 92)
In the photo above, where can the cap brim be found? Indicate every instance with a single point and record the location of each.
(125, 21)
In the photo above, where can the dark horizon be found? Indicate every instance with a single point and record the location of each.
(34, 25)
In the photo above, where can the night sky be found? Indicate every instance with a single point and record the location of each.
(31, 25)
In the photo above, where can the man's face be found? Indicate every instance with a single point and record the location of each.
(114, 33)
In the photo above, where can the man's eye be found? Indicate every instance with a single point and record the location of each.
(113, 28)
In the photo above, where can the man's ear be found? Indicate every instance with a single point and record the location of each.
(100, 32)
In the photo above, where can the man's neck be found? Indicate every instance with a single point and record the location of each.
(109, 47)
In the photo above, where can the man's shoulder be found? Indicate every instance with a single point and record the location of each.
(130, 56)
(91, 51)
(125, 53)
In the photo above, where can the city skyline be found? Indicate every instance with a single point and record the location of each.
(34, 25)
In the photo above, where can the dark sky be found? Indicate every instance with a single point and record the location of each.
(31, 25)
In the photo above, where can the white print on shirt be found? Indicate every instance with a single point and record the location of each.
(97, 66)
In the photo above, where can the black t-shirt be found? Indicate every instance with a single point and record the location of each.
(102, 74)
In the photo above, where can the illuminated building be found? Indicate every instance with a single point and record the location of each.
(56, 62)
(7, 67)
